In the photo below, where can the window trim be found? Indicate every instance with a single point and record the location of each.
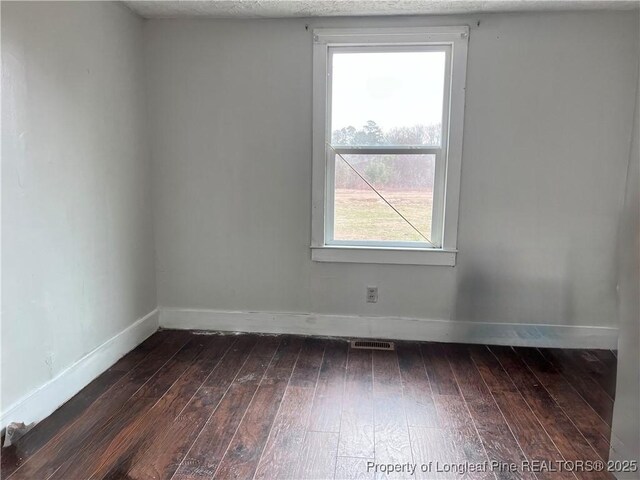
(455, 38)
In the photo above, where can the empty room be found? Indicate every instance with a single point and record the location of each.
(323, 239)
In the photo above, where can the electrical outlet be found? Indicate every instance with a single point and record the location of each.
(372, 294)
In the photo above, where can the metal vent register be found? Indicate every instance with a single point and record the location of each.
(372, 345)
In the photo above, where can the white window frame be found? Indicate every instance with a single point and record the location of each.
(453, 40)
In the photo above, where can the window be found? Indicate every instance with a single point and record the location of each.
(387, 144)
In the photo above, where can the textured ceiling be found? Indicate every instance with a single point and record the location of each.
(331, 8)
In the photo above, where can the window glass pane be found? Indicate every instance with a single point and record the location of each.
(404, 181)
(387, 98)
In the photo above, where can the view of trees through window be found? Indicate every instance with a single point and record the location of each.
(405, 181)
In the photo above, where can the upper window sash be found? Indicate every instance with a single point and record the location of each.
(357, 46)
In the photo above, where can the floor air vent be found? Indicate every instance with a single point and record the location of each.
(372, 345)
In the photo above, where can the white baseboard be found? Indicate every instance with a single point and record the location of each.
(47, 398)
(398, 328)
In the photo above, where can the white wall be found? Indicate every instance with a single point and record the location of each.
(546, 147)
(78, 253)
(626, 419)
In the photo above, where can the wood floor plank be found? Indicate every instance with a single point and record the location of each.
(607, 357)
(610, 364)
(465, 373)
(496, 434)
(416, 389)
(305, 374)
(460, 429)
(490, 370)
(438, 370)
(391, 432)
(588, 388)
(327, 403)
(280, 456)
(595, 430)
(357, 422)
(533, 439)
(12, 457)
(474, 392)
(223, 418)
(318, 456)
(129, 361)
(474, 421)
(95, 449)
(227, 416)
(434, 449)
(503, 451)
(353, 468)
(66, 443)
(158, 453)
(244, 451)
(591, 364)
(566, 437)
(114, 452)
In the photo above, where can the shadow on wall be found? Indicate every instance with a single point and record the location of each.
(507, 288)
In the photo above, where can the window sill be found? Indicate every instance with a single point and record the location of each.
(395, 256)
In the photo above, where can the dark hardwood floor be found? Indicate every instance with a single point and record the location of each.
(189, 406)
